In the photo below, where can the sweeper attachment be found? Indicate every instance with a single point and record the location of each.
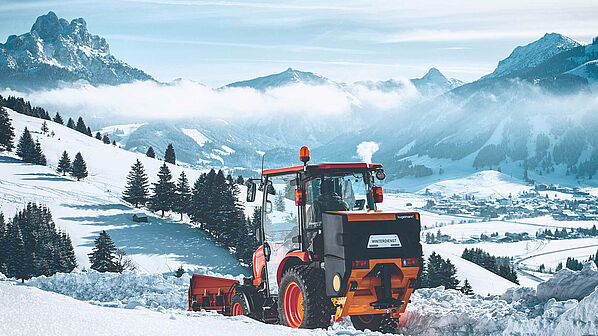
(326, 252)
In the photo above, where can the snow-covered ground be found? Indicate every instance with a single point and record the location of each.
(153, 308)
(86, 207)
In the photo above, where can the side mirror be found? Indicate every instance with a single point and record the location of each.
(251, 189)
(268, 207)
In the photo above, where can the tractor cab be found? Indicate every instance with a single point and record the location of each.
(326, 251)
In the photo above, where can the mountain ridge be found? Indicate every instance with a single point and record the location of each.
(56, 51)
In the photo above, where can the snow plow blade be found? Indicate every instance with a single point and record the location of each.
(211, 293)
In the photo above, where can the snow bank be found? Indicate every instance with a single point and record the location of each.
(568, 284)
(520, 311)
(126, 290)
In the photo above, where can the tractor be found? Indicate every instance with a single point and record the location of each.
(326, 252)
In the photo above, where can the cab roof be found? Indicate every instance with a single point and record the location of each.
(324, 166)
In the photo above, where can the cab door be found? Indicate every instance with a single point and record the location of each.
(280, 223)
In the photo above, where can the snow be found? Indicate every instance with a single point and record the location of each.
(120, 130)
(518, 312)
(141, 304)
(196, 135)
(484, 184)
(85, 208)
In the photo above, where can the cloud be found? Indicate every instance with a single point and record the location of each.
(366, 149)
(182, 99)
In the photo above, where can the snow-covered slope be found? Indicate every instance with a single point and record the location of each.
(533, 54)
(84, 208)
(56, 51)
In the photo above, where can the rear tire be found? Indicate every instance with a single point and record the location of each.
(374, 322)
(302, 300)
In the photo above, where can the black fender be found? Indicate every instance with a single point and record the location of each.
(252, 298)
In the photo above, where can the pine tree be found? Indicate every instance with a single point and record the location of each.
(113, 142)
(64, 164)
(3, 245)
(240, 180)
(26, 148)
(170, 155)
(449, 275)
(279, 203)
(200, 208)
(163, 191)
(44, 127)
(17, 258)
(79, 169)
(71, 124)
(150, 152)
(106, 139)
(136, 191)
(6, 131)
(69, 262)
(58, 119)
(182, 195)
(466, 288)
(81, 127)
(103, 255)
(98, 136)
(40, 158)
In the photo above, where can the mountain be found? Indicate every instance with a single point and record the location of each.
(434, 83)
(533, 54)
(287, 77)
(57, 51)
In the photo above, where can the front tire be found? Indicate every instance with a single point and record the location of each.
(302, 300)
(239, 305)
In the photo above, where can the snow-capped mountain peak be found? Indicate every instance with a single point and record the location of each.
(55, 50)
(287, 77)
(434, 83)
(534, 53)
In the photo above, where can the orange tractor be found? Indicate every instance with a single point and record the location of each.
(326, 252)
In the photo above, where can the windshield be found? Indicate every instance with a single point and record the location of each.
(335, 193)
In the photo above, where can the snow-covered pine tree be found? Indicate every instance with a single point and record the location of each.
(40, 158)
(44, 127)
(163, 191)
(64, 164)
(106, 139)
(170, 155)
(26, 149)
(103, 255)
(88, 132)
(432, 272)
(58, 119)
(81, 127)
(7, 132)
(150, 152)
(79, 169)
(182, 195)
(136, 191)
(98, 136)
(466, 288)
(71, 124)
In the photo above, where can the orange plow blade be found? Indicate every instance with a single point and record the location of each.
(211, 293)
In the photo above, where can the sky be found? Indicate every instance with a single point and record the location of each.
(218, 42)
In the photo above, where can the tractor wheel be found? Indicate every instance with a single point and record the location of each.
(375, 322)
(239, 305)
(302, 300)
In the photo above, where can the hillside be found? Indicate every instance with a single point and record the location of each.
(85, 208)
